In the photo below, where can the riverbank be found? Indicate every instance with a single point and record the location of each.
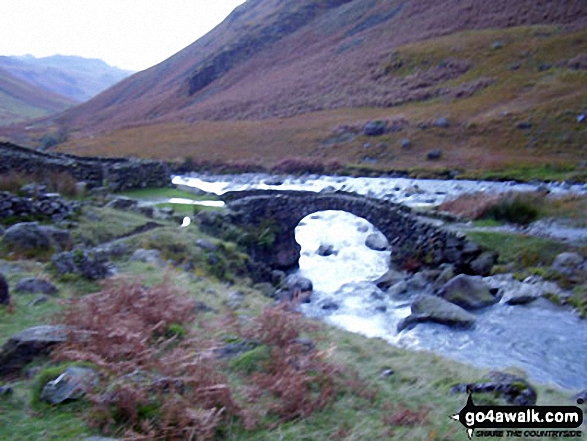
(396, 394)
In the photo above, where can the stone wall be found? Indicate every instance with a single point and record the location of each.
(274, 215)
(48, 205)
(117, 173)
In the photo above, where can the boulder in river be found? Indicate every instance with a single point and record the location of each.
(468, 292)
(377, 242)
(427, 308)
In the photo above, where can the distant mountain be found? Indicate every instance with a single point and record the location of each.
(74, 77)
(20, 100)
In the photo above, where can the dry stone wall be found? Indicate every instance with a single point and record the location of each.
(116, 173)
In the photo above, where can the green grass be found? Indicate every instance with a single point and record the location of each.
(521, 250)
(160, 193)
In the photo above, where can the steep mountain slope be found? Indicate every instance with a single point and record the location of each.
(75, 77)
(20, 100)
(283, 57)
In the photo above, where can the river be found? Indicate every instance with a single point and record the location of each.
(548, 342)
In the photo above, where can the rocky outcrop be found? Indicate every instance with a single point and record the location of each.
(117, 173)
(90, 264)
(287, 21)
(72, 384)
(427, 308)
(25, 346)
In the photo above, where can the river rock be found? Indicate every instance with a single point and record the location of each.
(390, 278)
(295, 288)
(72, 384)
(398, 289)
(483, 264)
(35, 286)
(447, 272)
(513, 389)
(326, 250)
(22, 348)
(469, 292)
(4, 291)
(377, 242)
(427, 308)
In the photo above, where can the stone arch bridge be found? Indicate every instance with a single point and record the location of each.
(271, 216)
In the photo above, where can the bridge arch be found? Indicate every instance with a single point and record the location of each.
(273, 215)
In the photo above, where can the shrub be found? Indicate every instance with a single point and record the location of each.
(517, 208)
(156, 390)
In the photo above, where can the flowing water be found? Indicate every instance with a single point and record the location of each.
(546, 341)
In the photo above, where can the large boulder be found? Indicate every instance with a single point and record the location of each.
(35, 286)
(72, 384)
(24, 347)
(30, 236)
(27, 236)
(427, 308)
(468, 292)
(4, 291)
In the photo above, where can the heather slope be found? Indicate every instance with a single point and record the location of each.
(271, 58)
(512, 100)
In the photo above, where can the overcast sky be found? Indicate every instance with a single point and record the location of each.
(130, 34)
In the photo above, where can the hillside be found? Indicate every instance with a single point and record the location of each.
(284, 78)
(20, 100)
(75, 77)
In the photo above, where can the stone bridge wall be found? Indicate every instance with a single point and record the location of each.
(274, 215)
(117, 173)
